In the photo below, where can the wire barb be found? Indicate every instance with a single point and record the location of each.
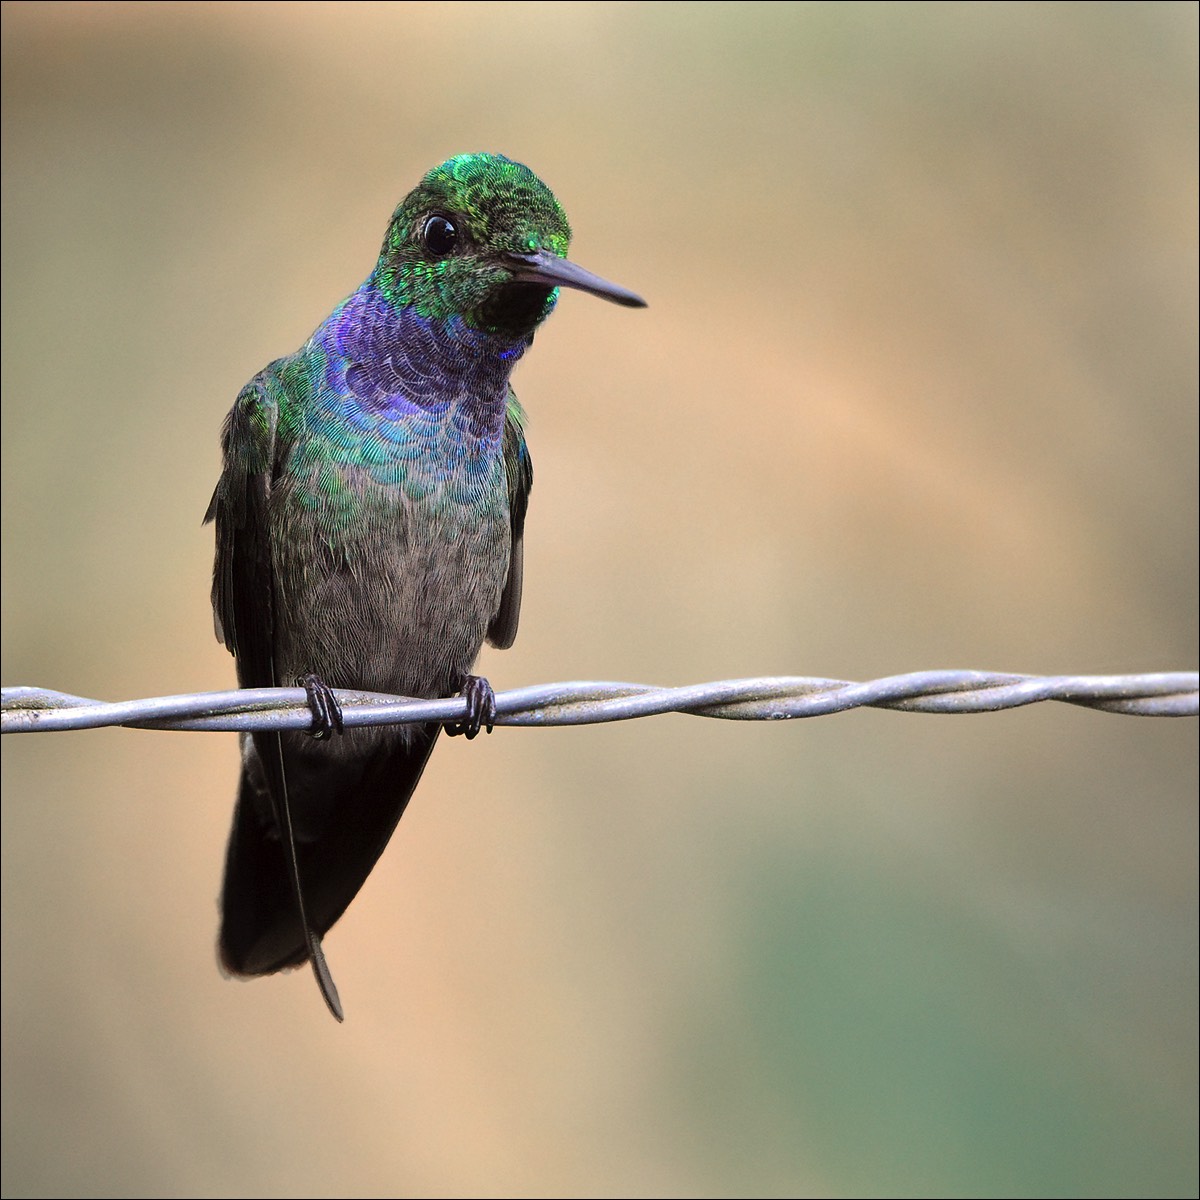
(778, 698)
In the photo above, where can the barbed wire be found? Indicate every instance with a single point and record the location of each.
(779, 698)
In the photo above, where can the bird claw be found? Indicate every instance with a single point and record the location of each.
(326, 711)
(481, 708)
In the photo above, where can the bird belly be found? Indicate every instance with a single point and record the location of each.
(397, 600)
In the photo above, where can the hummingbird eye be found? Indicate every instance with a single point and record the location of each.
(439, 235)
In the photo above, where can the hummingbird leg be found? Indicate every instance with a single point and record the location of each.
(481, 708)
(326, 711)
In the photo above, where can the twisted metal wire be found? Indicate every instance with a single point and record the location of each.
(781, 698)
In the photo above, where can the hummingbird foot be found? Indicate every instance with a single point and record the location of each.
(481, 708)
(326, 711)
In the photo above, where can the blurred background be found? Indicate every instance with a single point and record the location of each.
(916, 389)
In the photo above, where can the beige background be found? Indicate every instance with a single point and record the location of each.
(917, 388)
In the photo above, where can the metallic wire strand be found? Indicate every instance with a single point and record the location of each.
(1173, 694)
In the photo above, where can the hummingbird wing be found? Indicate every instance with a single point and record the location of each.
(518, 466)
(243, 598)
(243, 590)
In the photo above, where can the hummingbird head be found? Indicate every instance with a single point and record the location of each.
(483, 238)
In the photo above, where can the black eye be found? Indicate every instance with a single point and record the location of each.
(439, 235)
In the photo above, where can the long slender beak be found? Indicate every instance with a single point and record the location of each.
(544, 267)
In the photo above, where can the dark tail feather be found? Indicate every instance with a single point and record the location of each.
(260, 923)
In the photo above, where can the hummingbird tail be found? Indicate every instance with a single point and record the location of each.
(343, 814)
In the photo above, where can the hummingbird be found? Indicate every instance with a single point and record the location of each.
(369, 521)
